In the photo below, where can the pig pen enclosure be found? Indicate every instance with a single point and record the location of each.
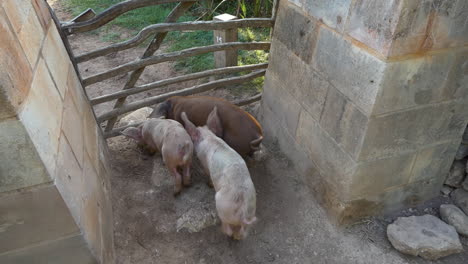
(151, 226)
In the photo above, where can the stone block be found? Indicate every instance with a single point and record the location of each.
(304, 84)
(91, 208)
(31, 36)
(415, 82)
(394, 133)
(344, 122)
(353, 71)
(42, 116)
(398, 27)
(7, 110)
(331, 160)
(450, 27)
(333, 13)
(458, 76)
(15, 78)
(433, 162)
(268, 120)
(375, 23)
(69, 179)
(106, 220)
(281, 103)
(43, 13)
(76, 91)
(71, 250)
(389, 201)
(34, 216)
(103, 151)
(18, 12)
(104, 177)
(20, 164)
(90, 130)
(296, 31)
(374, 177)
(280, 61)
(57, 59)
(72, 127)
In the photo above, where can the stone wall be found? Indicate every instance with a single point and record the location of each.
(54, 174)
(368, 98)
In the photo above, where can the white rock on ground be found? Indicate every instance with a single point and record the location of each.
(456, 174)
(460, 197)
(426, 236)
(455, 217)
(137, 116)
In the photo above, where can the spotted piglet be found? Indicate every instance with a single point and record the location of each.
(235, 193)
(170, 138)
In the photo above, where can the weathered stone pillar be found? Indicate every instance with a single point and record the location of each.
(369, 98)
(225, 58)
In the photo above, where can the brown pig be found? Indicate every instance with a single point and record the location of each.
(239, 129)
(235, 193)
(170, 138)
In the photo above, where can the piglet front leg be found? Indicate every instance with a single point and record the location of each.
(186, 171)
(177, 180)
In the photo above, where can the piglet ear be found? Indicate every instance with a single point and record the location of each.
(214, 123)
(133, 132)
(190, 127)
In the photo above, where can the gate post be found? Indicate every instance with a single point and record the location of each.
(226, 57)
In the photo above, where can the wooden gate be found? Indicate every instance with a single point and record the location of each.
(158, 32)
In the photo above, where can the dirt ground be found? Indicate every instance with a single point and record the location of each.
(152, 226)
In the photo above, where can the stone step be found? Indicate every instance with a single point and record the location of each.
(34, 216)
(71, 250)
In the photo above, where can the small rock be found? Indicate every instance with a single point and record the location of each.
(446, 190)
(456, 174)
(465, 184)
(426, 236)
(455, 217)
(462, 152)
(137, 116)
(460, 198)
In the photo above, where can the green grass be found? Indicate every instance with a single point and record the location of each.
(137, 19)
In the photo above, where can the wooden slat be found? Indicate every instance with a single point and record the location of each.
(249, 100)
(178, 79)
(164, 27)
(66, 43)
(173, 56)
(188, 91)
(111, 13)
(154, 45)
(116, 132)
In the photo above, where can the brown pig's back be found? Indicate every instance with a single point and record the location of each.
(239, 127)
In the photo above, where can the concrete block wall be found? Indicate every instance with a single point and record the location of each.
(54, 173)
(368, 98)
